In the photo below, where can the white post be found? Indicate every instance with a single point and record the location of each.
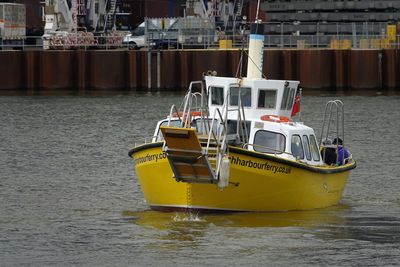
(256, 51)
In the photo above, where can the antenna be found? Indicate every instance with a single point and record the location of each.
(258, 9)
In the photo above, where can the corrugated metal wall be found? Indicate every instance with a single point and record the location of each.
(356, 69)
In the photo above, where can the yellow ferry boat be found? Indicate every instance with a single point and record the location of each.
(234, 146)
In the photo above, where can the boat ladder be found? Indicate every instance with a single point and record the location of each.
(185, 148)
(188, 160)
(197, 156)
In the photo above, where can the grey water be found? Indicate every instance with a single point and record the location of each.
(69, 194)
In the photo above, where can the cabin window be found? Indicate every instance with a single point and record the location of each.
(173, 123)
(287, 98)
(232, 127)
(297, 147)
(267, 98)
(306, 145)
(234, 132)
(217, 95)
(314, 148)
(203, 126)
(245, 96)
(290, 99)
(269, 142)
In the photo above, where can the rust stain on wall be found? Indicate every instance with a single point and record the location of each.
(357, 69)
(11, 66)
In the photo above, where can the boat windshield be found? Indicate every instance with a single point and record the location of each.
(314, 148)
(269, 142)
(297, 147)
(173, 123)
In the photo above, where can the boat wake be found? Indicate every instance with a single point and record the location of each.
(187, 217)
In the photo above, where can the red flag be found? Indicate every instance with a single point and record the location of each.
(296, 105)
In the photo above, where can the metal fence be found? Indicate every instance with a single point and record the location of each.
(210, 42)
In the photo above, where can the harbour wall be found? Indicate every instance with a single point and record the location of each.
(174, 69)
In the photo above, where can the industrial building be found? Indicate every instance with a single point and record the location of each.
(296, 23)
(322, 21)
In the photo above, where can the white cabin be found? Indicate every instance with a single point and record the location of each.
(260, 97)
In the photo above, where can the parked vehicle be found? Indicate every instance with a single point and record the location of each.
(180, 31)
(161, 33)
(136, 39)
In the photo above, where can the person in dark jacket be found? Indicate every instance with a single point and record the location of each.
(343, 154)
(328, 152)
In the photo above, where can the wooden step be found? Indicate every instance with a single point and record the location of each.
(186, 156)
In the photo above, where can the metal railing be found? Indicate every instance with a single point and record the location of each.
(86, 42)
(144, 141)
(333, 41)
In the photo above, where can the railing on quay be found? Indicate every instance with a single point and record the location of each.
(207, 42)
(332, 41)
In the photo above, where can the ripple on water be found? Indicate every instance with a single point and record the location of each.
(69, 194)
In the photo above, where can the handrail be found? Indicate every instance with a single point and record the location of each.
(187, 105)
(339, 109)
(173, 107)
(221, 135)
(246, 137)
(222, 150)
(211, 132)
(144, 140)
(339, 130)
(266, 147)
(306, 41)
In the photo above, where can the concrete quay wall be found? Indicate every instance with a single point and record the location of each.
(174, 69)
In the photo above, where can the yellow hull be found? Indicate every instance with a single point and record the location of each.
(258, 182)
